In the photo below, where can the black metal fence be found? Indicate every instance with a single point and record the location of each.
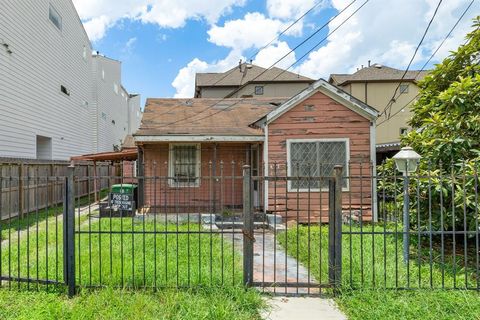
(235, 226)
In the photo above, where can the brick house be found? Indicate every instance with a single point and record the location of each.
(194, 150)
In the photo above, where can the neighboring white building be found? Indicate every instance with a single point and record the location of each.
(52, 97)
(116, 113)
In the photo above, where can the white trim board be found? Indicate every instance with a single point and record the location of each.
(289, 163)
(171, 163)
(192, 138)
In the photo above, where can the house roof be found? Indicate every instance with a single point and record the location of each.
(232, 119)
(128, 142)
(331, 91)
(129, 154)
(206, 117)
(237, 77)
(377, 72)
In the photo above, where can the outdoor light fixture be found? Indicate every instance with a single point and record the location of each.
(407, 162)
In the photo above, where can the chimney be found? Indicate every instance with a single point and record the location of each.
(240, 65)
(369, 61)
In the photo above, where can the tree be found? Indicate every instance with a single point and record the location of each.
(446, 132)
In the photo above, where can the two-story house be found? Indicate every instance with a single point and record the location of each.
(248, 80)
(375, 85)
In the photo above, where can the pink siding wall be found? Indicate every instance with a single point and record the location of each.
(324, 118)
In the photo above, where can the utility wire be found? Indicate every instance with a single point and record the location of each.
(258, 51)
(389, 104)
(225, 109)
(429, 59)
(320, 42)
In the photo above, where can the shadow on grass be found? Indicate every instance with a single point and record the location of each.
(36, 217)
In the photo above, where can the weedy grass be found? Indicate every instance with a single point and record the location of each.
(208, 303)
(373, 268)
(181, 272)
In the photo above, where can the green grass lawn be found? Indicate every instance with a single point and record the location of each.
(124, 259)
(226, 303)
(21, 223)
(205, 263)
(372, 268)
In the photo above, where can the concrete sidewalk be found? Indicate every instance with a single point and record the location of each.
(282, 308)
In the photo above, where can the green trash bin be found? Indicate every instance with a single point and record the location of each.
(123, 198)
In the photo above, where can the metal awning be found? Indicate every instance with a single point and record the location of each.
(129, 154)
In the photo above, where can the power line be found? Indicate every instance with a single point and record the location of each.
(398, 111)
(389, 104)
(448, 35)
(430, 58)
(297, 46)
(258, 51)
(320, 42)
(225, 109)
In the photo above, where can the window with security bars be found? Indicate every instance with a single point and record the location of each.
(184, 165)
(316, 159)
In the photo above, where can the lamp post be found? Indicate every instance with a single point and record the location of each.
(407, 162)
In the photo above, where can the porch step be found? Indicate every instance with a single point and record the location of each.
(239, 225)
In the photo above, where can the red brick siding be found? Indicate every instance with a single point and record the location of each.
(220, 186)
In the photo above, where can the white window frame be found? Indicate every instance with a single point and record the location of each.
(261, 88)
(171, 163)
(406, 87)
(289, 162)
(85, 53)
(52, 9)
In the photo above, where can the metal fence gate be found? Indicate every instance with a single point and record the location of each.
(228, 236)
(177, 249)
(280, 259)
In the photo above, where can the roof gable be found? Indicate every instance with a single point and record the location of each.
(331, 91)
(254, 73)
(377, 72)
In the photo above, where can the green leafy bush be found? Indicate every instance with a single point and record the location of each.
(446, 132)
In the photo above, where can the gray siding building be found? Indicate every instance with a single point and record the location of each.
(50, 104)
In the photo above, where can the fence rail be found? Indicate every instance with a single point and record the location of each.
(280, 233)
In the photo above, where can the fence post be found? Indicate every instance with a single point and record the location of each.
(141, 179)
(331, 232)
(335, 228)
(338, 224)
(69, 232)
(248, 238)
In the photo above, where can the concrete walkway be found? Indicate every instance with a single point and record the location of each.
(302, 308)
(271, 264)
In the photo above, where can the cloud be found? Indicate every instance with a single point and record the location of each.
(97, 27)
(129, 46)
(184, 82)
(254, 30)
(387, 35)
(100, 15)
(268, 56)
(286, 9)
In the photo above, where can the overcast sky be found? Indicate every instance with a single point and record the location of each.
(162, 43)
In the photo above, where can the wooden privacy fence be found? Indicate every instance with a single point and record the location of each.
(27, 185)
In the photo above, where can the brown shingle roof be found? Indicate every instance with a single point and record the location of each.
(234, 77)
(203, 119)
(377, 73)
